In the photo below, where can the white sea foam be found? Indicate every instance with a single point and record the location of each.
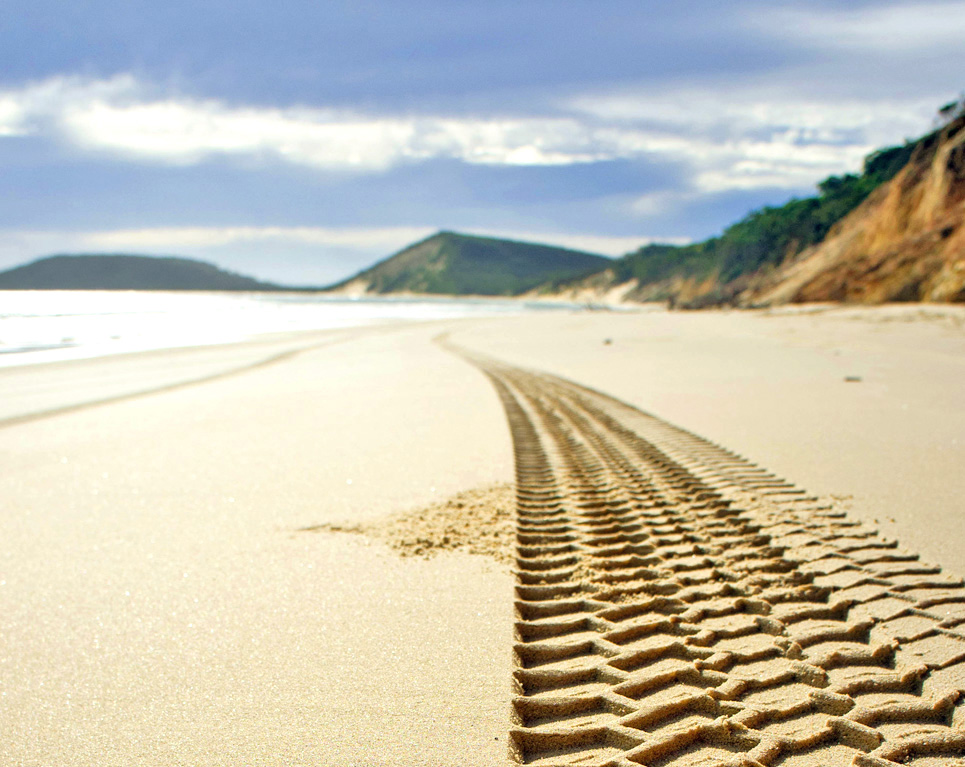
(45, 326)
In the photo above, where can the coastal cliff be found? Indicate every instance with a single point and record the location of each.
(892, 233)
(906, 242)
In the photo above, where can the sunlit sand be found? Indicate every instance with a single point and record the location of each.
(197, 575)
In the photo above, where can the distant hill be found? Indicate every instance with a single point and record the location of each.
(721, 269)
(457, 264)
(124, 272)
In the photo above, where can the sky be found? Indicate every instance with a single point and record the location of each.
(300, 141)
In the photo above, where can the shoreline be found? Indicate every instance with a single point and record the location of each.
(41, 327)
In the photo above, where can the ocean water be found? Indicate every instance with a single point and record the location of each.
(52, 325)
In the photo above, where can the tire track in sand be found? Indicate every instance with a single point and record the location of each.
(679, 605)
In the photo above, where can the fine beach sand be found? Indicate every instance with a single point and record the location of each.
(178, 581)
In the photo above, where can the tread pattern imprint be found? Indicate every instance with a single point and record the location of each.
(679, 606)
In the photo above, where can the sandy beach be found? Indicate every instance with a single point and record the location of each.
(191, 571)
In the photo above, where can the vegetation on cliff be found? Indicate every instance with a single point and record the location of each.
(906, 242)
(705, 271)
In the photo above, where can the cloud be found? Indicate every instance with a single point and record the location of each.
(772, 108)
(179, 238)
(11, 117)
(186, 133)
(734, 137)
(898, 28)
(729, 142)
(121, 116)
(655, 204)
(751, 136)
(33, 107)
